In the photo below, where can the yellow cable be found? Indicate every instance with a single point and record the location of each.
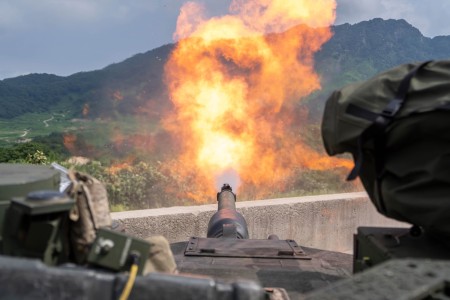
(127, 290)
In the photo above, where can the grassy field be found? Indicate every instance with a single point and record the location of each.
(32, 125)
(97, 133)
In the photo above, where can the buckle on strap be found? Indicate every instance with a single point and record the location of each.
(392, 108)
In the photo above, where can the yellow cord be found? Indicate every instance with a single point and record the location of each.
(127, 290)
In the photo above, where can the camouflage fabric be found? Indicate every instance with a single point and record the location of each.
(160, 258)
(400, 141)
(90, 213)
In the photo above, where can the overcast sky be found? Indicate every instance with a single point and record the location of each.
(67, 36)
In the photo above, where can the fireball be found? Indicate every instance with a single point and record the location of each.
(235, 82)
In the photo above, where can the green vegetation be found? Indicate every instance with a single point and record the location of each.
(135, 187)
(358, 52)
(117, 89)
(31, 125)
(32, 152)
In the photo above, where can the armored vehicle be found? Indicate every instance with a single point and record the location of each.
(35, 262)
(225, 264)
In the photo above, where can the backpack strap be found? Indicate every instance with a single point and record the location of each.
(360, 112)
(376, 131)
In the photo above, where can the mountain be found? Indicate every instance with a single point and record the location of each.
(358, 51)
(131, 80)
(355, 52)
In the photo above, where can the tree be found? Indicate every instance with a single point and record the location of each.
(30, 152)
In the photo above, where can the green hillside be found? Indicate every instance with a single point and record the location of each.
(357, 52)
(354, 53)
(41, 93)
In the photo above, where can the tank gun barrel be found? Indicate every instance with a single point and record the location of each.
(227, 222)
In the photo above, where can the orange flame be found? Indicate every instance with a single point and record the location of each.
(117, 96)
(85, 110)
(235, 84)
(115, 168)
(69, 142)
(124, 165)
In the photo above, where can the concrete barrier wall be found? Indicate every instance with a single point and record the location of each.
(325, 221)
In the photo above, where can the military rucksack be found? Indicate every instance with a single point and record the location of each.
(397, 127)
(90, 212)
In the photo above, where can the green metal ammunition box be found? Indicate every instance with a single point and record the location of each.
(34, 226)
(17, 180)
(113, 250)
(375, 245)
